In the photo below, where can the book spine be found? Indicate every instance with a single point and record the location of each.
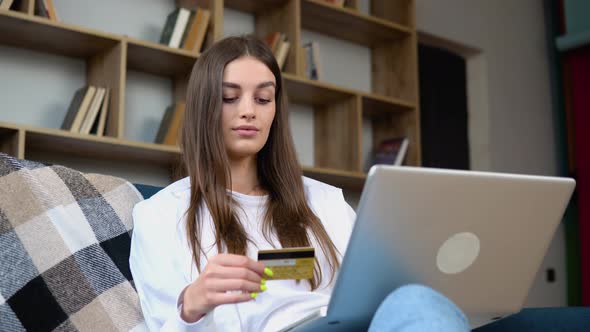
(100, 130)
(187, 31)
(172, 133)
(202, 30)
(83, 109)
(164, 125)
(169, 27)
(179, 28)
(73, 108)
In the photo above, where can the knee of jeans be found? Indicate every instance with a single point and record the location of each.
(422, 297)
(415, 291)
(415, 307)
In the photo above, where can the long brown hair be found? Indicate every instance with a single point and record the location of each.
(205, 159)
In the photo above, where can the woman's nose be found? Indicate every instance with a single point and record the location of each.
(248, 110)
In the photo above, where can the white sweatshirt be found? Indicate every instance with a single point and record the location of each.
(161, 261)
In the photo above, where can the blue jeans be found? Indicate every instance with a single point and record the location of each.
(414, 308)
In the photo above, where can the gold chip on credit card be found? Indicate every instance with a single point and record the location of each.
(289, 263)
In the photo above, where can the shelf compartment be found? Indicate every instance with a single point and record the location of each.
(106, 148)
(395, 69)
(349, 24)
(158, 59)
(342, 179)
(386, 125)
(40, 34)
(305, 91)
(12, 142)
(336, 121)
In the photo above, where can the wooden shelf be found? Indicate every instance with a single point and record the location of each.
(40, 34)
(338, 111)
(253, 6)
(109, 148)
(158, 59)
(349, 24)
(374, 105)
(343, 179)
(305, 91)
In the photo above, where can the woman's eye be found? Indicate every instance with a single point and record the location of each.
(263, 101)
(229, 100)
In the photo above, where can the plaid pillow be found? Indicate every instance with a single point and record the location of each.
(64, 250)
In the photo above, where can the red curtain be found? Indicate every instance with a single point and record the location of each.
(579, 64)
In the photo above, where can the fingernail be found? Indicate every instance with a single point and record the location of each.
(254, 295)
(268, 272)
(263, 281)
(263, 288)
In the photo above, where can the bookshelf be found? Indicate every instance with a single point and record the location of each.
(338, 112)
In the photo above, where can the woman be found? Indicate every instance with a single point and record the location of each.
(193, 242)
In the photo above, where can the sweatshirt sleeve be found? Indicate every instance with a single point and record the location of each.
(156, 265)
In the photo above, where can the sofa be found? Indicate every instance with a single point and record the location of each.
(64, 255)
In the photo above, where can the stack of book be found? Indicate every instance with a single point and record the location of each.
(279, 45)
(310, 57)
(170, 125)
(390, 152)
(45, 8)
(186, 29)
(88, 110)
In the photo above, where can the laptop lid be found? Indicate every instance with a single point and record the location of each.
(479, 238)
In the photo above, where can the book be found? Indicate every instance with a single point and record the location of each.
(73, 108)
(196, 30)
(179, 27)
(302, 54)
(312, 50)
(169, 27)
(282, 53)
(272, 40)
(41, 9)
(93, 110)
(171, 137)
(391, 151)
(52, 14)
(83, 109)
(5, 4)
(189, 23)
(99, 129)
(315, 54)
(164, 125)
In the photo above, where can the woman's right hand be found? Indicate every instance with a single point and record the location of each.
(223, 273)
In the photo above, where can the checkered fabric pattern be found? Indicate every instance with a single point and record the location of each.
(64, 250)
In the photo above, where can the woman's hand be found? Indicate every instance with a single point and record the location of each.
(223, 272)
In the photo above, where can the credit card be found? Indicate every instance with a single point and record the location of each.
(289, 263)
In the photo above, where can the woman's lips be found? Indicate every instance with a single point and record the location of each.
(246, 131)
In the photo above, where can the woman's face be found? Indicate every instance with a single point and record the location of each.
(248, 106)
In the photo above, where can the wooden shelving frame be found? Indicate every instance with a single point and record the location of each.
(392, 106)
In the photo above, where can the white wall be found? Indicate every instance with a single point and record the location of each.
(522, 139)
(511, 34)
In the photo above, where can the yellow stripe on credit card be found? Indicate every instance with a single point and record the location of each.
(289, 263)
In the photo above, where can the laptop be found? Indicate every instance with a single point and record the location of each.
(479, 238)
